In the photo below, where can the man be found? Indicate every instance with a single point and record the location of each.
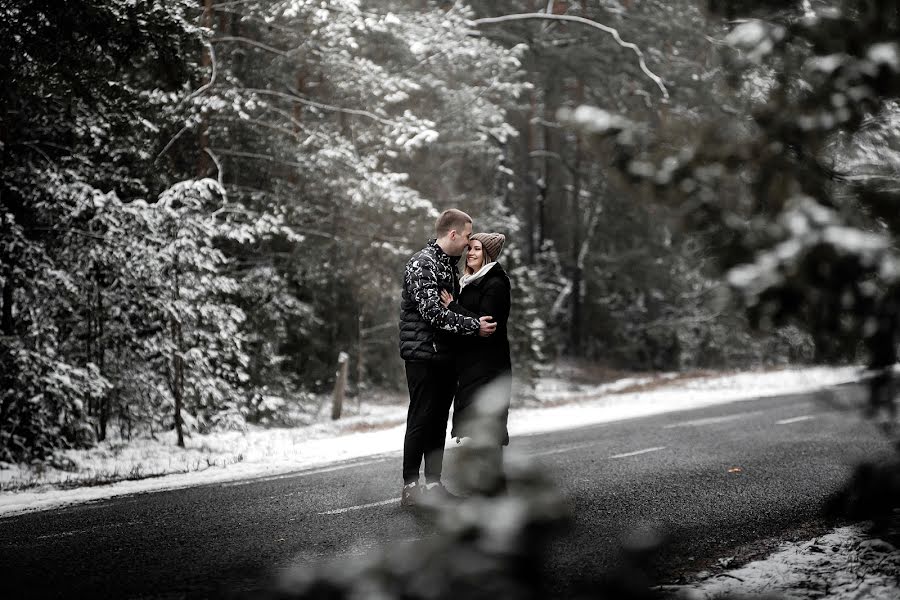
(426, 348)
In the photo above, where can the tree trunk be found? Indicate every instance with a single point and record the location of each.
(206, 20)
(530, 187)
(89, 347)
(575, 327)
(334, 283)
(6, 320)
(177, 364)
(179, 385)
(104, 417)
(360, 360)
(7, 328)
(101, 356)
(555, 175)
(297, 114)
(340, 386)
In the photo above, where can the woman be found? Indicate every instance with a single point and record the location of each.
(485, 290)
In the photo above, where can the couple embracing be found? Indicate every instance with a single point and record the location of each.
(453, 339)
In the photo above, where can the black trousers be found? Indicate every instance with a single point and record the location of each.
(432, 385)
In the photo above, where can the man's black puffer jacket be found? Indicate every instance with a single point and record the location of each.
(423, 318)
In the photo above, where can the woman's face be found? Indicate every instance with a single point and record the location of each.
(475, 255)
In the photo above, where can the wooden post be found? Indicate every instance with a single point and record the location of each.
(359, 362)
(340, 383)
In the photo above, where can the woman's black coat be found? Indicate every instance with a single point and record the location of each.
(481, 360)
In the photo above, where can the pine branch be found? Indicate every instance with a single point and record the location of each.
(80, 232)
(295, 97)
(254, 43)
(613, 32)
(349, 111)
(256, 155)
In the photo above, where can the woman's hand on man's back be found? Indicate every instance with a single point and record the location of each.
(446, 298)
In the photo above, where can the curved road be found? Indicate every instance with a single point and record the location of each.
(726, 480)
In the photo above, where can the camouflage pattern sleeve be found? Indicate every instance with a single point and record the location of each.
(422, 284)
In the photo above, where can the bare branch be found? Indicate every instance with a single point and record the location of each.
(218, 164)
(172, 141)
(484, 90)
(256, 155)
(194, 94)
(673, 322)
(212, 77)
(549, 11)
(254, 43)
(614, 33)
(295, 97)
(80, 232)
(593, 220)
(34, 146)
(349, 111)
(260, 123)
(555, 155)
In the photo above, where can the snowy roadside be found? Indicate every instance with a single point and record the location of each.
(845, 564)
(377, 429)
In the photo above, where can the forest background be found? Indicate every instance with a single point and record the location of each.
(203, 203)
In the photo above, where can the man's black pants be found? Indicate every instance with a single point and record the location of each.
(432, 385)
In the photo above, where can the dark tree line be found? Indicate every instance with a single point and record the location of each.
(202, 203)
(799, 197)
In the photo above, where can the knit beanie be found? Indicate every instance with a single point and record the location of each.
(492, 244)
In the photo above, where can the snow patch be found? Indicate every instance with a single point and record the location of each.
(842, 565)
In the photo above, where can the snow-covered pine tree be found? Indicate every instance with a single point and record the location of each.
(86, 86)
(347, 122)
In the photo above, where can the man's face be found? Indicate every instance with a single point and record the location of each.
(461, 240)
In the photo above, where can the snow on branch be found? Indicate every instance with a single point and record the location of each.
(201, 90)
(332, 108)
(613, 32)
(212, 78)
(221, 174)
(254, 43)
(295, 96)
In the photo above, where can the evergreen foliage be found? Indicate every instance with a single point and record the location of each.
(203, 203)
(799, 198)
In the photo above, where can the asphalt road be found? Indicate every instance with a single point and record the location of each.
(721, 481)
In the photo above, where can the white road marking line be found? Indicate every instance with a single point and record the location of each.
(636, 452)
(314, 471)
(794, 420)
(338, 511)
(561, 450)
(711, 420)
(87, 529)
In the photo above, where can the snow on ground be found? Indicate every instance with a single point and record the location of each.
(667, 393)
(845, 564)
(376, 429)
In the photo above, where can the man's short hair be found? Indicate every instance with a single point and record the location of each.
(450, 219)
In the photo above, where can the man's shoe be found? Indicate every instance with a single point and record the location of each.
(411, 494)
(435, 494)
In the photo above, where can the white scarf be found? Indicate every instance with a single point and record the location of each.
(467, 279)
